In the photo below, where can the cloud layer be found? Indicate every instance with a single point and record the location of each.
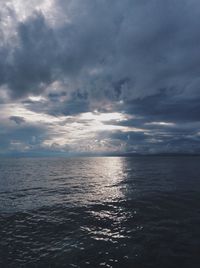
(64, 61)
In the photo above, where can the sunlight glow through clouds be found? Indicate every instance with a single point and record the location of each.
(103, 117)
(161, 124)
(76, 82)
(25, 9)
(79, 132)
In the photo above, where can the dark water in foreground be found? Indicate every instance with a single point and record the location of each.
(100, 212)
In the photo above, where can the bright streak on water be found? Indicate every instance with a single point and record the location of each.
(100, 212)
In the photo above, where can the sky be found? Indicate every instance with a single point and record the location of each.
(99, 76)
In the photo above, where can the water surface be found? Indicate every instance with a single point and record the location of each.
(100, 212)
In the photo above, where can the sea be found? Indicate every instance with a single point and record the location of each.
(140, 211)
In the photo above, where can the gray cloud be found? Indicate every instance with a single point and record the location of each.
(136, 50)
(22, 139)
(17, 119)
(136, 57)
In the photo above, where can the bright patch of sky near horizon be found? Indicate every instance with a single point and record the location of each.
(73, 82)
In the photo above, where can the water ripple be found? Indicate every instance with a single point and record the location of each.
(100, 212)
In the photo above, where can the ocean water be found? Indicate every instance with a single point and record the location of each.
(100, 212)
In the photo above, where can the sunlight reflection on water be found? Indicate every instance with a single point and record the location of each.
(73, 181)
(99, 212)
(109, 173)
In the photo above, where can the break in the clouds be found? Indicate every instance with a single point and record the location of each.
(99, 76)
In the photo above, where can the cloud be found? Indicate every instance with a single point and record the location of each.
(22, 139)
(136, 50)
(17, 119)
(136, 58)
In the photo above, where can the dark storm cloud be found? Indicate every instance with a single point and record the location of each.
(157, 142)
(164, 106)
(23, 138)
(17, 119)
(29, 70)
(142, 53)
(138, 48)
(54, 104)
